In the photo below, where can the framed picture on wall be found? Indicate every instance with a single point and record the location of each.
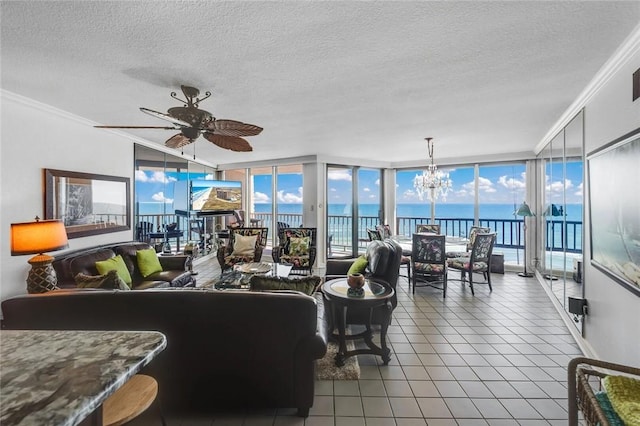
(614, 205)
(87, 203)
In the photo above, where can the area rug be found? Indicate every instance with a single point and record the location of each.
(326, 367)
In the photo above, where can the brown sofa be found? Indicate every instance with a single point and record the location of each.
(224, 348)
(174, 274)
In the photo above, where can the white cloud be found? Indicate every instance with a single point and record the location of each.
(339, 175)
(161, 177)
(260, 197)
(290, 197)
(409, 194)
(141, 176)
(485, 185)
(579, 192)
(559, 186)
(377, 182)
(511, 183)
(366, 189)
(372, 196)
(332, 189)
(159, 196)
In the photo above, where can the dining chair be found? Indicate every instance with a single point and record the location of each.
(373, 234)
(479, 261)
(472, 237)
(431, 228)
(429, 262)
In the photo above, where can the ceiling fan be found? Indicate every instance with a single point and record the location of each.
(193, 122)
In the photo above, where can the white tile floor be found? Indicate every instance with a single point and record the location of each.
(495, 358)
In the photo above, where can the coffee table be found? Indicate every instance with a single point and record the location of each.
(376, 295)
(238, 277)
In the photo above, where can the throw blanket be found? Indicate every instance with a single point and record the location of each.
(624, 395)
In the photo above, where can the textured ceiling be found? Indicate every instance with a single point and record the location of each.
(352, 79)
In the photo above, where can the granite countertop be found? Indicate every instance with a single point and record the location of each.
(60, 377)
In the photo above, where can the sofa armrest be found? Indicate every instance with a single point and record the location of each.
(338, 267)
(175, 263)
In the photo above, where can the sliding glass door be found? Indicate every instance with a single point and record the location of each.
(353, 205)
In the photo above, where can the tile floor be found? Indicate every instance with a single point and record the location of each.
(496, 358)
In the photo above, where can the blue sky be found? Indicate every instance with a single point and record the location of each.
(497, 184)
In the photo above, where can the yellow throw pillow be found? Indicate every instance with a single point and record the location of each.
(117, 264)
(148, 262)
(244, 245)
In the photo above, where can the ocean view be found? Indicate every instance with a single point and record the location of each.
(444, 210)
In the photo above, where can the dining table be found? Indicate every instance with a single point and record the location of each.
(62, 378)
(453, 244)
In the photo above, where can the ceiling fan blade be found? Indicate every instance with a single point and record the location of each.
(138, 127)
(233, 128)
(164, 116)
(177, 141)
(233, 143)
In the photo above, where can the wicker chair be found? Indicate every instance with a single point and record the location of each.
(583, 379)
(298, 247)
(226, 255)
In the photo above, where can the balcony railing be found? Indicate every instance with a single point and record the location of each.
(560, 235)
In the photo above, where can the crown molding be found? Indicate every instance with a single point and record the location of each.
(620, 57)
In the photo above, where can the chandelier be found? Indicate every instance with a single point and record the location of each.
(432, 182)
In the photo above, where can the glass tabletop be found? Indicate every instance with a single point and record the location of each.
(372, 289)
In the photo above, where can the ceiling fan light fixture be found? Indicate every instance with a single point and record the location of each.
(193, 121)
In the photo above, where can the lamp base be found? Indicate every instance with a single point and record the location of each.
(42, 276)
(525, 274)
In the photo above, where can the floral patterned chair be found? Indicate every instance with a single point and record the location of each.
(479, 261)
(298, 247)
(472, 237)
(429, 262)
(428, 227)
(244, 245)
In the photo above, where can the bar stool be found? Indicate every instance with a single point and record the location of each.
(130, 400)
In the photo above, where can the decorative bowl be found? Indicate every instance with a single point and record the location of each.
(355, 280)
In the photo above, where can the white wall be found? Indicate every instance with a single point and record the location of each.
(611, 328)
(35, 137)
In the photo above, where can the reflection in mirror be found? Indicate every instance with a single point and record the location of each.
(156, 218)
(560, 224)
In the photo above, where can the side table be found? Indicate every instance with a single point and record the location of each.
(376, 295)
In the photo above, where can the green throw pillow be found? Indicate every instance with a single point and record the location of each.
(148, 262)
(111, 280)
(305, 285)
(117, 264)
(359, 266)
(299, 246)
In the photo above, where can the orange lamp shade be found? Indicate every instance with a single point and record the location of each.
(38, 237)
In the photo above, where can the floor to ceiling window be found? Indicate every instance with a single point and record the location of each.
(272, 192)
(487, 195)
(353, 205)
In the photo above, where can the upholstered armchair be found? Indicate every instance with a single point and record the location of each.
(479, 260)
(298, 247)
(244, 245)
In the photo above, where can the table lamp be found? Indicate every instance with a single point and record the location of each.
(525, 212)
(38, 237)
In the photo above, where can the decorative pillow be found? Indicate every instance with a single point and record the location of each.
(305, 285)
(110, 280)
(623, 394)
(244, 245)
(359, 266)
(299, 246)
(148, 262)
(117, 264)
